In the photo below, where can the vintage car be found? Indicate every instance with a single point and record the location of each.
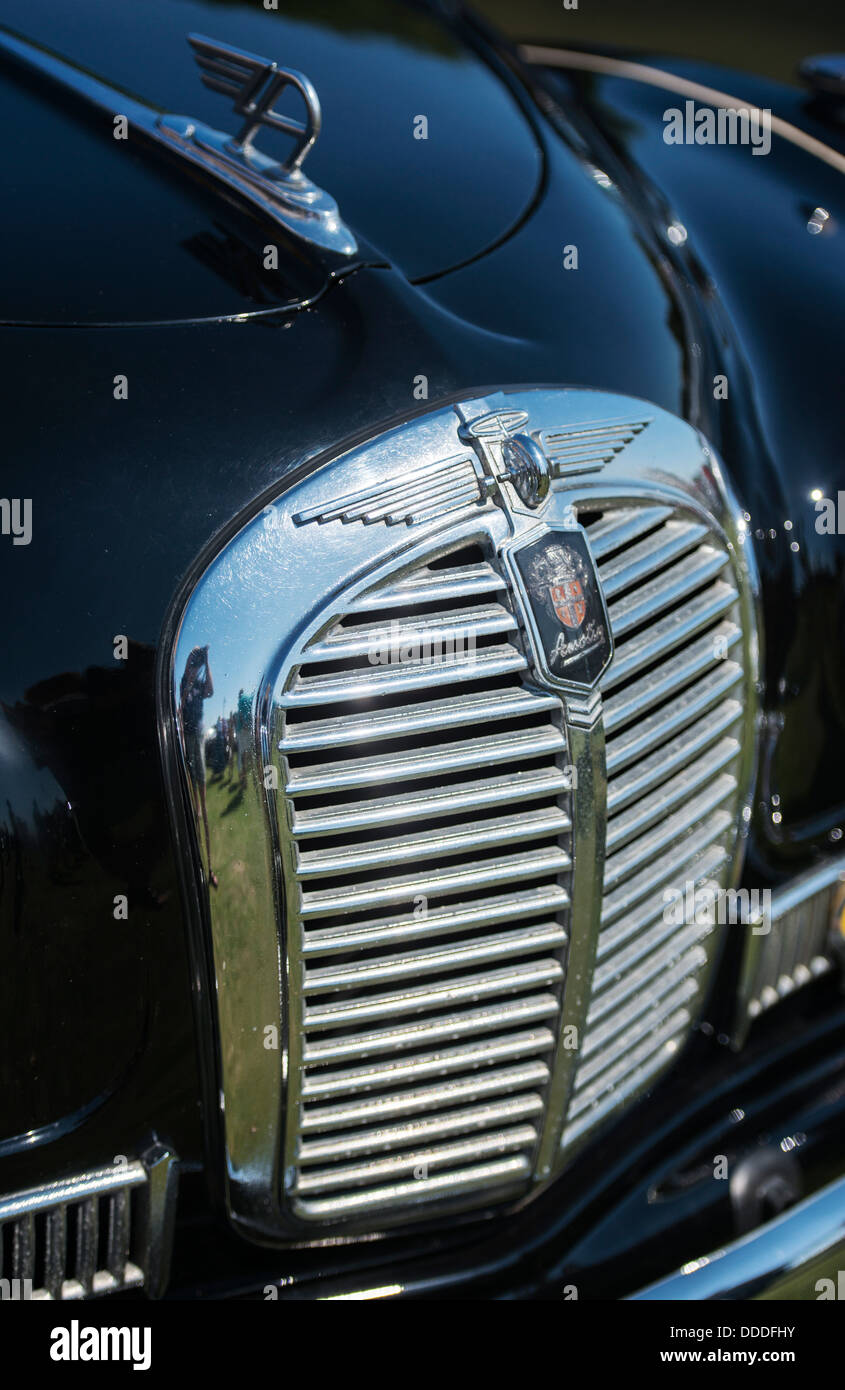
(423, 712)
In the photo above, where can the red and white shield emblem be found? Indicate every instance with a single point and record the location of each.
(569, 602)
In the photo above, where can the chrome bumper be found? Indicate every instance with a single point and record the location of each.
(787, 1258)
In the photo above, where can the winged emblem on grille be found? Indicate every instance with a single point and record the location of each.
(587, 448)
(419, 495)
(256, 85)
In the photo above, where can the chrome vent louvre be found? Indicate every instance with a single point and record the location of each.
(795, 953)
(100, 1232)
(674, 706)
(428, 821)
(794, 939)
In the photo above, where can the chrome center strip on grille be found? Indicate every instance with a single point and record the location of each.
(432, 754)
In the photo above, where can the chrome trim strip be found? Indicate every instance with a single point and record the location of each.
(807, 885)
(539, 56)
(585, 733)
(96, 1183)
(783, 1259)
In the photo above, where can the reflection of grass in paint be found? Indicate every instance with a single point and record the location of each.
(239, 848)
(800, 1286)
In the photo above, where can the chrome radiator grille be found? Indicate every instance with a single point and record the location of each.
(673, 712)
(428, 831)
(491, 679)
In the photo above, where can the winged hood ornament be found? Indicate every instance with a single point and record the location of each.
(256, 84)
(278, 190)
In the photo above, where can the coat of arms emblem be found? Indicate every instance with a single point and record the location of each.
(570, 625)
(568, 602)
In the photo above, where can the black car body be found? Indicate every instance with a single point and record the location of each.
(170, 394)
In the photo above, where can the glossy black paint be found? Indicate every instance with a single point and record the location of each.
(99, 1040)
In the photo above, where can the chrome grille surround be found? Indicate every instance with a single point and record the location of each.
(376, 1066)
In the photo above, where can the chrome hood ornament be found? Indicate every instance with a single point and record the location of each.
(279, 192)
(256, 84)
(281, 188)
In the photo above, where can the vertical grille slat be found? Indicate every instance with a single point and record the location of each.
(55, 1253)
(87, 1233)
(118, 1239)
(23, 1247)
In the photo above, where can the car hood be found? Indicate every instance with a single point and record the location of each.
(139, 242)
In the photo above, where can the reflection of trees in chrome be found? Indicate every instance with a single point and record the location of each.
(217, 750)
(195, 687)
